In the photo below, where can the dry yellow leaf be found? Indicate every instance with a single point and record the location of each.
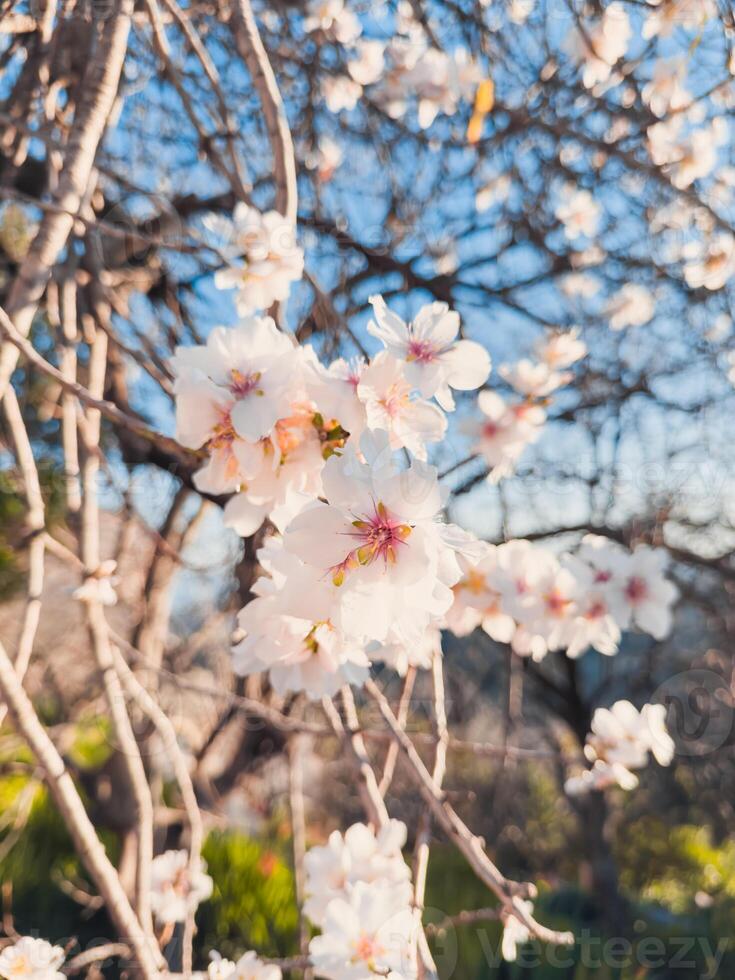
(485, 97)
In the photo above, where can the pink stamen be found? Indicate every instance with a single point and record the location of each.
(636, 589)
(379, 535)
(556, 604)
(597, 610)
(421, 350)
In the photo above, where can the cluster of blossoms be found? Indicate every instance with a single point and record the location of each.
(263, 258)
(522, 594)
(364, 574)
(685, 142)
(507, 427)
(36, 959)
(364, 567)
(620, 741)
(684, 150)
(269, 414)
(407, 69)
(601, 44)
(598, 44)
(359, 894)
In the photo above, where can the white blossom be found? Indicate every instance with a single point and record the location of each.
(288, 631)
(175, 891)
(534, 380)
(632, 306)
(360, 855)
(477, 603)
(503, 431)
(377, 540)
(710, 264)
(666, 92)
(387, 394)
(370, 933)
(253, 364)
(247, 967)
(578, 212)
(340, 92)
(435, 360)
(31, 959)
(641, 595)
(561, 349)
(265, 258)
(334, 18)
(602, 44)
(515, 933)
(620, 741)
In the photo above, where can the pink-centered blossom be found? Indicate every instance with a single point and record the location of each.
(434, 360)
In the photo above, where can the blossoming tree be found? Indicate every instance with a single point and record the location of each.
(410, 327)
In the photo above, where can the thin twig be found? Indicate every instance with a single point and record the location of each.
(472, 847)
(253, 53)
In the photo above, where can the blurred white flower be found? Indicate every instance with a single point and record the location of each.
(503, 431)
(264, 254)
(367, 68)
(666, 92)
(31, 959)
(561, 349)
(578, 212)
(340, 92)
(579, 284)
(602, 44)
(248, 967)
(620, 741)
(495, 191)
(478, 603)
(175, 891)
(710, 263)
(401, 656)
(534, 380)
(434, 360)
(641, 595)
(371, 933)
(325, 159)
(334, 18)
(520, 10)
(360, 855)
(632, 306)
(686, 156)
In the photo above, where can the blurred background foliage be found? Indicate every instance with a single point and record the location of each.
(680, 883)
